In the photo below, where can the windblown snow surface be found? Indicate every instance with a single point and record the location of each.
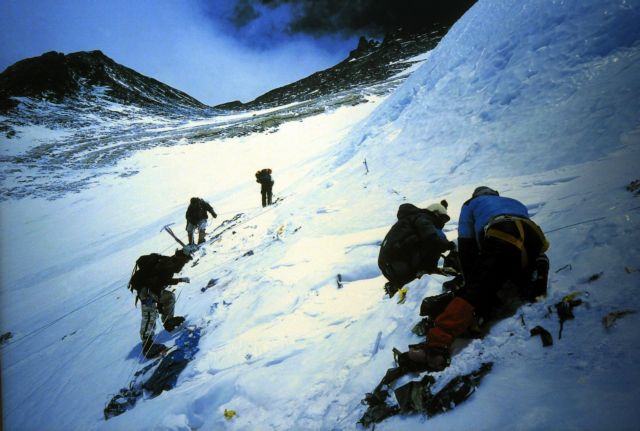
(540, 100)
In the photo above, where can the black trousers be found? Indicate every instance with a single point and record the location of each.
(500, 262)
(267, 195)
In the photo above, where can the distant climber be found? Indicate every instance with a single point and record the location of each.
(266, 185)
(502, 257)
(414, 244)
(153, 274)
(197, 218)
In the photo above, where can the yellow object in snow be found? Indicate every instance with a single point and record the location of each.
(403, 295)
(229, 414)
(280, 230)
(570, 297)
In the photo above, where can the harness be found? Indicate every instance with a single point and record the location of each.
(492, 231)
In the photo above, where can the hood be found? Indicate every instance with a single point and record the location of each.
(405, 210)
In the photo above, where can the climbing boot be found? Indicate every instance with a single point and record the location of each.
(430, 358)
(390, 289)
(454, 285)
(433, 306)
(173, 322)
(151, 349)
(540, 277)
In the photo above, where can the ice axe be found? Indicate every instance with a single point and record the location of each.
(170, 232)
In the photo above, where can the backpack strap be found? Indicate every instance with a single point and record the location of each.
(135, 268)
(539, 233)
(492, 231)
(130, 286)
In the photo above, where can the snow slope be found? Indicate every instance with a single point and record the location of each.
(539, 102)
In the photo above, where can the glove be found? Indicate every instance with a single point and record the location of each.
(184, 280)
(451, 246)
(390, 289)
(214, 214)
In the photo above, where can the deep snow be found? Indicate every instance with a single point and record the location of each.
(540, 103)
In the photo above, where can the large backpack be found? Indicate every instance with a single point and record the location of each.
(148, 266)
(401, 235)
(264, 176)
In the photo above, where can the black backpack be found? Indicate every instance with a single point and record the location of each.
(401, 235)
(145, 268)
(264, 176)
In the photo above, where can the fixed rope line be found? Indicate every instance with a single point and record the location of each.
(86, 304)
(226, 229)
(585, 221)
(576, 224)
(80, 307)
(220, 264)
(47, 325)
(242, 211)
(155, 337)
(241, 222)
(238, 210)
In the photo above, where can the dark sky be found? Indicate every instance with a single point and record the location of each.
(347, 18)
(215, 50)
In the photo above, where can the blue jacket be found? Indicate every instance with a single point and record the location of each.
(477, 212)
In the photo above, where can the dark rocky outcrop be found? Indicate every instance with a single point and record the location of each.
(364, 47)
(371, 62)
(231, 106)
(86, 76)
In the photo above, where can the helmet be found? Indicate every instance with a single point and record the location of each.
(484, 190)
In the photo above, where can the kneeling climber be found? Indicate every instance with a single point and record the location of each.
(414, 244)
(501, 254)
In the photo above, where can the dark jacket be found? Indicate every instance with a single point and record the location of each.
(416, 239)
(158, 281)
(160, 275)
(264, 178)
(197, 211)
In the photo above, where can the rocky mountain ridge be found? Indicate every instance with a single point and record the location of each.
(67, 119)
(371, 62)
(57, 78)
